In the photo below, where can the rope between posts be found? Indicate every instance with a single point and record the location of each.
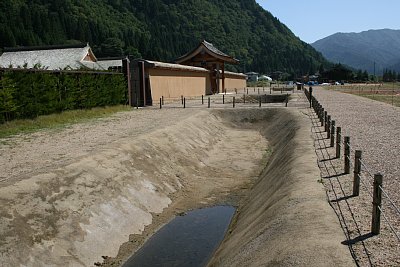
(346, 143)
(390, 225)
(390, 200)
(366, 187)
(351, 149)
(366, 168)
(351, 164)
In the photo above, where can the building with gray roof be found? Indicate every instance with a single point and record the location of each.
(72, 57)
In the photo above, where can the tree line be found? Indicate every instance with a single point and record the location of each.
(339, 72)
(390, 76)
(161, 30)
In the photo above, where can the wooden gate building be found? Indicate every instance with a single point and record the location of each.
(207, 56)
(200, 72)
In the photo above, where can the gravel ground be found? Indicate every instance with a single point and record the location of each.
(373, 128)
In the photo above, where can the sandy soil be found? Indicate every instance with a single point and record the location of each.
(285, 219)
(113, 179)
(64, 193)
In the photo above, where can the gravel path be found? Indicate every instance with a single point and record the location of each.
(374, 128)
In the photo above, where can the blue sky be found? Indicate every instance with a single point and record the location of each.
(312, 20)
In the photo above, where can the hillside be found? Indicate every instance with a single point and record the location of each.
(160, 30)
(361, 50)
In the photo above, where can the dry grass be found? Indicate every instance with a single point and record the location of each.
(386, 92)
(57, 120)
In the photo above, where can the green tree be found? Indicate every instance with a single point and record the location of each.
(7, 102)
(365, 76)
(112, 47)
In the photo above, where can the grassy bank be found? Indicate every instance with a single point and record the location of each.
(393, 100)
(386, 92)
(57, 120)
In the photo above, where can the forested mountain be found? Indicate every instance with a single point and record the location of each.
(160, 30)
(361, 50)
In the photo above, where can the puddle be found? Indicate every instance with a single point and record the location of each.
(187, 240)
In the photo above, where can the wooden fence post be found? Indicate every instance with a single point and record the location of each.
(319, 112)
(322, 117)
(326, 119)
(209, 102)
(162, 100)
(286, 100)
(233, 102)
(333, 124)
(160, 103)
(259, 102)
(328, 128)
(357, 171)
(338, 141)
(182, 99)
(376, 212)
(223, 99)
(184, 102)
(314, 103)
(244, 99)
(202, 99)
(346, 154)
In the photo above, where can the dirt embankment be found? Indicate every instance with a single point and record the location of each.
(74, 213)
(285, 220)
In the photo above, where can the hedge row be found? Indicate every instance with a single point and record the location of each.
(26, 94)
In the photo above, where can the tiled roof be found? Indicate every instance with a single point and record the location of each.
(235, 74)
(47, 47)
(163, 65)
(52, 58)
(110, 63)
(209, 48)
(212, 48)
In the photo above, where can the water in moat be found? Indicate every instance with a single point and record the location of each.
(188, 240)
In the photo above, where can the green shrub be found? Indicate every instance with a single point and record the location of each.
(28, 94)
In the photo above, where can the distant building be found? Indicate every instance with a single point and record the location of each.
(264, 78)
(65, 57)
(252, 76)
(111, 63)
